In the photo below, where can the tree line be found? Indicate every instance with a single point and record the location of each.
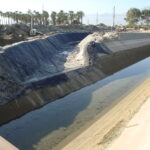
(135, 16)
(67, 18)
(44, 18)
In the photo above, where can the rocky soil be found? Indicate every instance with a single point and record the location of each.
(20, 32)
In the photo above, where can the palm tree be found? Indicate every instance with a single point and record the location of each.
(30, 14)
(1, 18)
(17, 17)
(37, 17)
(20, 17)
(45, 17)
(60, 16)
(71, 16)
(65, 19)
(8, 17)
(80, 15)
(13, 16)
(53, 17)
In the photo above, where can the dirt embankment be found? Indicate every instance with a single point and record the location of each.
(97, 136)
(20, 32)
(13, 33)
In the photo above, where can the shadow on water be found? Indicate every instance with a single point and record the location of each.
(28, 130)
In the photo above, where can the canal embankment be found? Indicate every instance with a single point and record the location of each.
(34, 73)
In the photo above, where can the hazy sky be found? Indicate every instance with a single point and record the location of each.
(90, 7)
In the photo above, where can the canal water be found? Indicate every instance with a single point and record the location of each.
(45, 128)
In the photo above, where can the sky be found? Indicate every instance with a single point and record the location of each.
(90, 7)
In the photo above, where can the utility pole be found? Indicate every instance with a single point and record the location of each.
(114, 17)
(42, 7)
(31, 21)
(97, 19)
(88, 22)
(42, 13)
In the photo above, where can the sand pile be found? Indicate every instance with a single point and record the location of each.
(80, 56)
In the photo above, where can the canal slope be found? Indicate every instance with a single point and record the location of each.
(37, 75)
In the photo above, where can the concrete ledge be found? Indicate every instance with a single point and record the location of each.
(91, 138)
(5, 145)
(120, 45)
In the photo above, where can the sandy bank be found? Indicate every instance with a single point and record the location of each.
(136, 134)
(94, 137)
(5, 145)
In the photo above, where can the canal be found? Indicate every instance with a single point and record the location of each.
(45, 128)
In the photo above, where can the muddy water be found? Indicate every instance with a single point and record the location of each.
(45, 128)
